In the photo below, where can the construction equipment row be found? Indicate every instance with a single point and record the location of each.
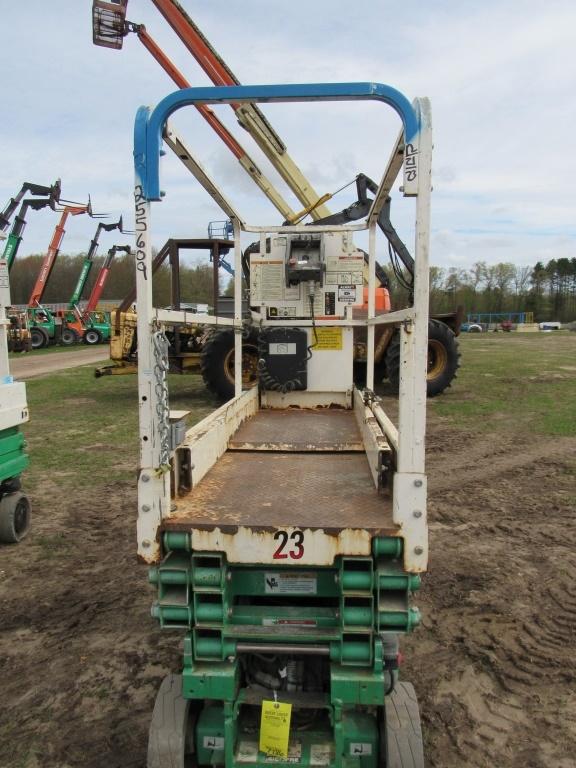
(38, 326)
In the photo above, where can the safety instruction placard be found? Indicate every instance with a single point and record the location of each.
(275, 728)
(329, 339)
(290, 583)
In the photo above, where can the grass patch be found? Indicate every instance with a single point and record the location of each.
(84, 430)
(525, 383)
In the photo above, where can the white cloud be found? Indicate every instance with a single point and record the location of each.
(500, 76)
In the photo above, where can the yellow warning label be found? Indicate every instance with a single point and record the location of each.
(275, 728)
(328, 339)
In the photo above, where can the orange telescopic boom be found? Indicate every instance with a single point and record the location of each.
(249, 116)
(54, 249)
(109, 29)
(206, 112)
(52, 253)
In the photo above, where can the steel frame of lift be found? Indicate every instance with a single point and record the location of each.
(109, 29)
(260, 566)
(15, 508)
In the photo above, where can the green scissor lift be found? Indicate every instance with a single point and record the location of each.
(286, 532)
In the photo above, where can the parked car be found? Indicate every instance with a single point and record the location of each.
(550, 326)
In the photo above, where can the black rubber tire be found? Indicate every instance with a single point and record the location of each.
(38, 338)
(171, 733)
(217, 362)
(443, 358)
(401, 733)
(15, 512)
(68, 337)
(92, 337)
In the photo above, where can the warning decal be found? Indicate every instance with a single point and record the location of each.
(347, 293)
(213, 742)
(321, 754)
(275, 731)
(283, 583)
(361, 749)
(329, 339)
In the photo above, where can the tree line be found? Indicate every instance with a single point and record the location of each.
(548, 290)
(195, 280)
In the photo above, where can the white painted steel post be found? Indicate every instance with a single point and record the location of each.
(414, 345)
(371, 305)
(153, 483)
(237, 310)
(409, 508)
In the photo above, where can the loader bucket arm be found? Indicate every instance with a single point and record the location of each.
(15, 236)
(52, 253)
(33, 189)
(360, 208)
(98, 288)
(89, 261)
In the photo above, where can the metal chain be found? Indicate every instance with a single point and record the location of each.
(161, 346)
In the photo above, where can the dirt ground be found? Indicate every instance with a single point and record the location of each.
(493, 663)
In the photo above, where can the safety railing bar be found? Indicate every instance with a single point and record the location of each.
(299, 228)
(150, 123)
(392, 317)
(179, 317)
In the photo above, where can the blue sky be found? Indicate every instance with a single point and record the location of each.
(501, 77)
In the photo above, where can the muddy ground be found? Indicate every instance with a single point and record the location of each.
(494, 661)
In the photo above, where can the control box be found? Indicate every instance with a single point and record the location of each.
(280, 278)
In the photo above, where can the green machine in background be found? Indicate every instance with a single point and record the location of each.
(14, 504)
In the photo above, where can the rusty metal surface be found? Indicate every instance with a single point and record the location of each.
(270, 490)
(299, 430)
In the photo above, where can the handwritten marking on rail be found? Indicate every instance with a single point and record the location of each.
(141, 227)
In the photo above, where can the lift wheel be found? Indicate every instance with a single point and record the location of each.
(402, 733)
(171, 734)
(14, 517)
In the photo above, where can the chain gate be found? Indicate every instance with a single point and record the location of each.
(161, 347)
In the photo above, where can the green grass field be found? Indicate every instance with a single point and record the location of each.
(519, 383)
(84, 430)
